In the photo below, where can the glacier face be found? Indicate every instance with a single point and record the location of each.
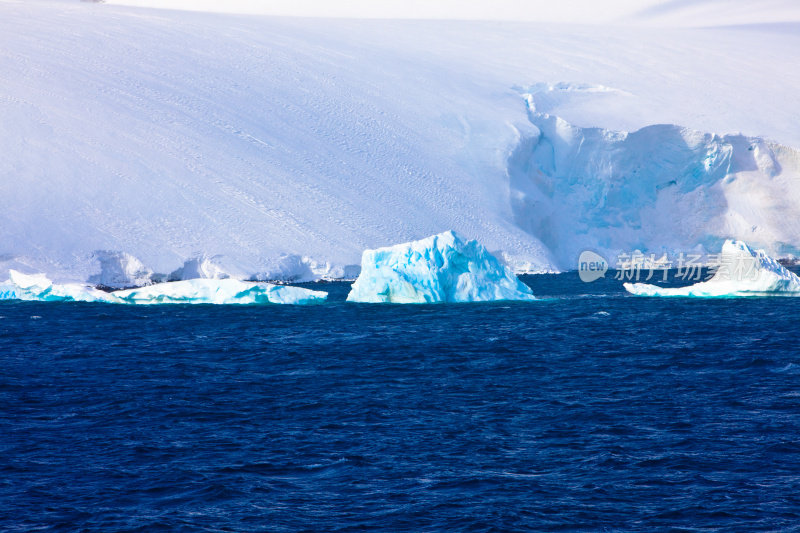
(120, 270)
(742, 271)
(440, 268)
(662, 188)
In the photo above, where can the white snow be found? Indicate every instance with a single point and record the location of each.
(219, 291)
(120, 270)
(441, 268)
(704, 13)
(294, 268)
(579, 11)
(659, 12)
(203, 267)
(140, 143)
(742, 271)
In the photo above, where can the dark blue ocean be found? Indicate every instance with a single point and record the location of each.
(590, 410)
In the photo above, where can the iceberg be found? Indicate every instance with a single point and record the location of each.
(742, 271)
(219, 291)
(440, 268)
(37, 287)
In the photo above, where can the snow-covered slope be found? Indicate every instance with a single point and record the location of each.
(657, 12)
(573, 11)
(716, 12)
(157, 141)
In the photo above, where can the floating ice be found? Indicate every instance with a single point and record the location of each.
(37, 287)
(441, 268)
(219, 291)
(742, 272)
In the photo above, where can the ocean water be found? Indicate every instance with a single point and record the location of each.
(590, 410)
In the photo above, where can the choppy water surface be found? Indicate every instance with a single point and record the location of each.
(590, 410)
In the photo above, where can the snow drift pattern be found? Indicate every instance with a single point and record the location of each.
(441, 268)
(742, 272)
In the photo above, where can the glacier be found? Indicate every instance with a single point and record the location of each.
(165, 144)
(662, 189)
(120, 270)
(37, 287)
(741, 271)
(441, 268)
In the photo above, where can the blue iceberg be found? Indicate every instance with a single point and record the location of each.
(742, 271)
(441, 268)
